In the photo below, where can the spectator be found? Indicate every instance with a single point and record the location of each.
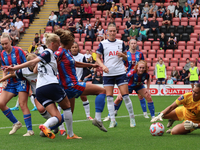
(71, 25)
(195, 12)
(40, 48)
(178, 10)
(14, 34)
(126, 45)
(153, 8)
(112, 21)
(13, 11)
(133, 34)
(6, 22)
(87, 25)
(112, 12)
(78, 3)
(29, 13)
(82, 12)
(37, 38)
(19, 4)
(56, 27)
(174, 74)
(138, 23)
(167, 18)
(184, 77)
(145, 23)
(193, 75)
(142, 34)
(96, 24)
(101, 5)
(87, 55)
(90, 34)
(100, 34)
(36, 7)
(128, 26)
(170, 81)
(3, 16)
(161, 10)
(145, 10)
(66, 11)
(73, 12)
(79, 27)
(19, 25)
(154, 26)
(128, 12)
(97, 78)
(32, 47)
(186, 10)
(7, 29)
(88, 11)
(190, 3)
(87, 75)
(138, 12)
(182, 2)
(172, 41)
(52, 19)
(36, 52)
(120, 11)
(163, 41)
(108, 4)
(187, 65)
(89, 2)
(61, 2)
(61, 19)
(13, 20)
(171, 7)
(22, 12)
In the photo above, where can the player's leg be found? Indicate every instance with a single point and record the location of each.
(16, 105)
(23, 100)
(92, 89)
(118, 101)
(44, 113)
(179, 129)
(32, 98)
(146, 94)
(72, 103)
(143, 105)
(86, 106)
(5, 97)
(61, 127)
(129, 106)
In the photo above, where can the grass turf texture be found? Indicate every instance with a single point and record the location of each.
(121, 137)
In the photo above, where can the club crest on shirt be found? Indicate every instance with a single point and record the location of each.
(181, 98)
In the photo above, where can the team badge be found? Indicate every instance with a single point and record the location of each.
(181, 98)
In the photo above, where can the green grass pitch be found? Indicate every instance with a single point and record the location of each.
(120, 138)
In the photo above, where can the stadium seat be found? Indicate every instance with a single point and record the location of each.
(88, 43)
(167, 35)
(169, 69)
(148, 60)
(193, 37)
(147, 45)
(180, 83)
(151, 37)
(177, 35)
(178, 53)
(118, 36)
(83, 51)
(182, 62)
(189, 29)
(185, 37)
(175, 21)
(171, 29)
(190, 45)
(174, 62)
(193, 60)
(95, 48)
(192, 21)
(163, 29)
(155, 60)
(156, 45)
(180, 29)
(160, 20)
(140, 44)
(26, 23)
(166, 61)
(49, 29)
(77, 35)
(151, 70)
(160, 53)
(184, 21)
(151, 53)
(95, 43)
(197, 29)
(197, 45)
(169, 53)
(195, 53)
(102, 21)
(186, 53)
(178, 68)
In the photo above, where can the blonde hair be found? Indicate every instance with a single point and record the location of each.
(141, 62)
(51, 37)
(6, 35)
(30, 56)
(65, 36)
(112, 25)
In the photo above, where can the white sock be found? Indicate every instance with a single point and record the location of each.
(86, 106)
(145, 113)
(32, 100)
(46, 115)
(158, 88)
(59, 108)
(68, 121)
(17, 103)
(164, 89)
(61, 127)
(98, 116)
(129, 105)
(111, 107)
(51, 122)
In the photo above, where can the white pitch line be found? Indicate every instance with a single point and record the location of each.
(78, 121)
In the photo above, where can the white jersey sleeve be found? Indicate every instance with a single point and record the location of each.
(108, 49)
(79, 71)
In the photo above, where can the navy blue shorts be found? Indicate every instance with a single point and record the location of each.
(49, 94)
(161, 80)
(194, 82)
(76, 90)
(135, 88)
(112, 80)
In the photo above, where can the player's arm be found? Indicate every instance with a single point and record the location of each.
(100, 63)
(148, 83)
(83, 65)
(123, 55)
(35, 69)
(8, 76)
(130, 73)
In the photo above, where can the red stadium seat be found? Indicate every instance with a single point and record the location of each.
(182, 62)
(147, 45)
(174, 62)
(180, 83)
(181, 45)
(169, 70)
(160, 53)
(156, 45)
(140, 44)
(88, 43)
(49, 29)
(175, 21)
(96, 43)
(166, 61)
(94, 5)
(88, 47)
(122, 1)
(177, 53)
(178, 68)
(186, 53)
(190, 45)
(83, 51)
(151, 70)
(193, 37)
(26, 23)
(169, 53)
(195, 53)
(138, 1)
(197, 29)
(144, 53)
(160, 20)
(193, 60)
(151, 53)
(118, 36)
(197, 46)
(166, 4)
(77, 35)
(192, 21)
(148, 60)
(155, 60)
(184, 21)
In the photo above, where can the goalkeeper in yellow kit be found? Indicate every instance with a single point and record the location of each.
(189, 112)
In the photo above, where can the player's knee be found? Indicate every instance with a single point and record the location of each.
(103, 91)
(148, 98)
(2, 105)
(41, 109)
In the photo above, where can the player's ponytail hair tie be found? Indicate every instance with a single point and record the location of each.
(51, 37)
(65, 36)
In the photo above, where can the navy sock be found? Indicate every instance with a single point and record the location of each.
(151, 108)
(143, 105)
(100, 102)
(8, 113)
(27, 120)
(58, 124)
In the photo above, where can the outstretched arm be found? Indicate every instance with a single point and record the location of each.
(8, 76)
(83, 65)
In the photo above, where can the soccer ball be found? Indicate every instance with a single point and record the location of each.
(157, 129)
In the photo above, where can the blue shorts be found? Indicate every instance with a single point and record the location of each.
(135, 88)
(20, 86)
(194, 82)
(49, 94)
(76, 90)
(161, 80)
(112, 80)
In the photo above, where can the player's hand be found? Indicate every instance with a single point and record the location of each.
(95, 65)
(158, 118)
(119, 54)
(8, 69)
(105, 69)
(4, 84)
(188, 125)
